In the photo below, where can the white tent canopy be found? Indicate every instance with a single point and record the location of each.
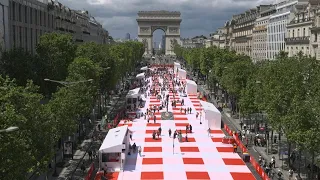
(144, 68)
(176, 66)
(112, 152)
(113, 142)
(133, 93)
(212, 116)
(140, 76)
(191, 87)
(182, 74)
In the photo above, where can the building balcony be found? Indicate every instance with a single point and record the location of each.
(298, 40)
(241, 39)
(260, 28)
(243, 28)
(296, 21)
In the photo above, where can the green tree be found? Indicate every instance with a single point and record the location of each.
(83, 69)
(19, 64)
(56, 51)
(24, 151)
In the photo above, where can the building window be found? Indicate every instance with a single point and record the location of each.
(20, 36)
(13, 11)
(52, 23)
(37, 32)
(36, 16)
(40, 14)
(46, 19)
(25, 14)
(14, 35)
(298, 35)
(31, 39)
(289, 34)
(20, 13)
(31, 12)
(26, 38)
(293, 33)
(304, 32)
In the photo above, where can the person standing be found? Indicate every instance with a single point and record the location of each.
(241, 125)
(90, 155)
(139, 151)
(209, 132)
(273, 161)
(235, 147)
(190, 127)
(83, 168)
(170, 132)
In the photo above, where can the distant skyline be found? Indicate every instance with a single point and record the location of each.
(199, 17)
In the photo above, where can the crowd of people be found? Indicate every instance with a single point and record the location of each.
(159, 82)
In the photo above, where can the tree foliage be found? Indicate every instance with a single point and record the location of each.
(30, 147)
(40, 124)
(287, 89)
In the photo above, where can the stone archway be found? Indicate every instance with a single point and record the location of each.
(168, 21)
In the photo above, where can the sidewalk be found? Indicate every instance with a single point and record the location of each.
(234, 124)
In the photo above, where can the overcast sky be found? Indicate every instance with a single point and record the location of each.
(199, 17)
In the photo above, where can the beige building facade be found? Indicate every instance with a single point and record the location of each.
(259, 35)
(29, 19)
(315, 30)
(298, 31)
(187, 43)
(242, 31)
(217, 38)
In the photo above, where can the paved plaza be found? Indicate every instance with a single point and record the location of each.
(204, 156)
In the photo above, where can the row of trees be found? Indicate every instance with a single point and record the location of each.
(287, 89)
(23, 91)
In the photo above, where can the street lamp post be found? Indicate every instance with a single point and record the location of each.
(9, 129)
(200, 117)
(68, 83)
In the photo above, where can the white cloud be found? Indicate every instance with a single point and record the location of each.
(203, 16)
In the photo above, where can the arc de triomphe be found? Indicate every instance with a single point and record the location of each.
(168, 21)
